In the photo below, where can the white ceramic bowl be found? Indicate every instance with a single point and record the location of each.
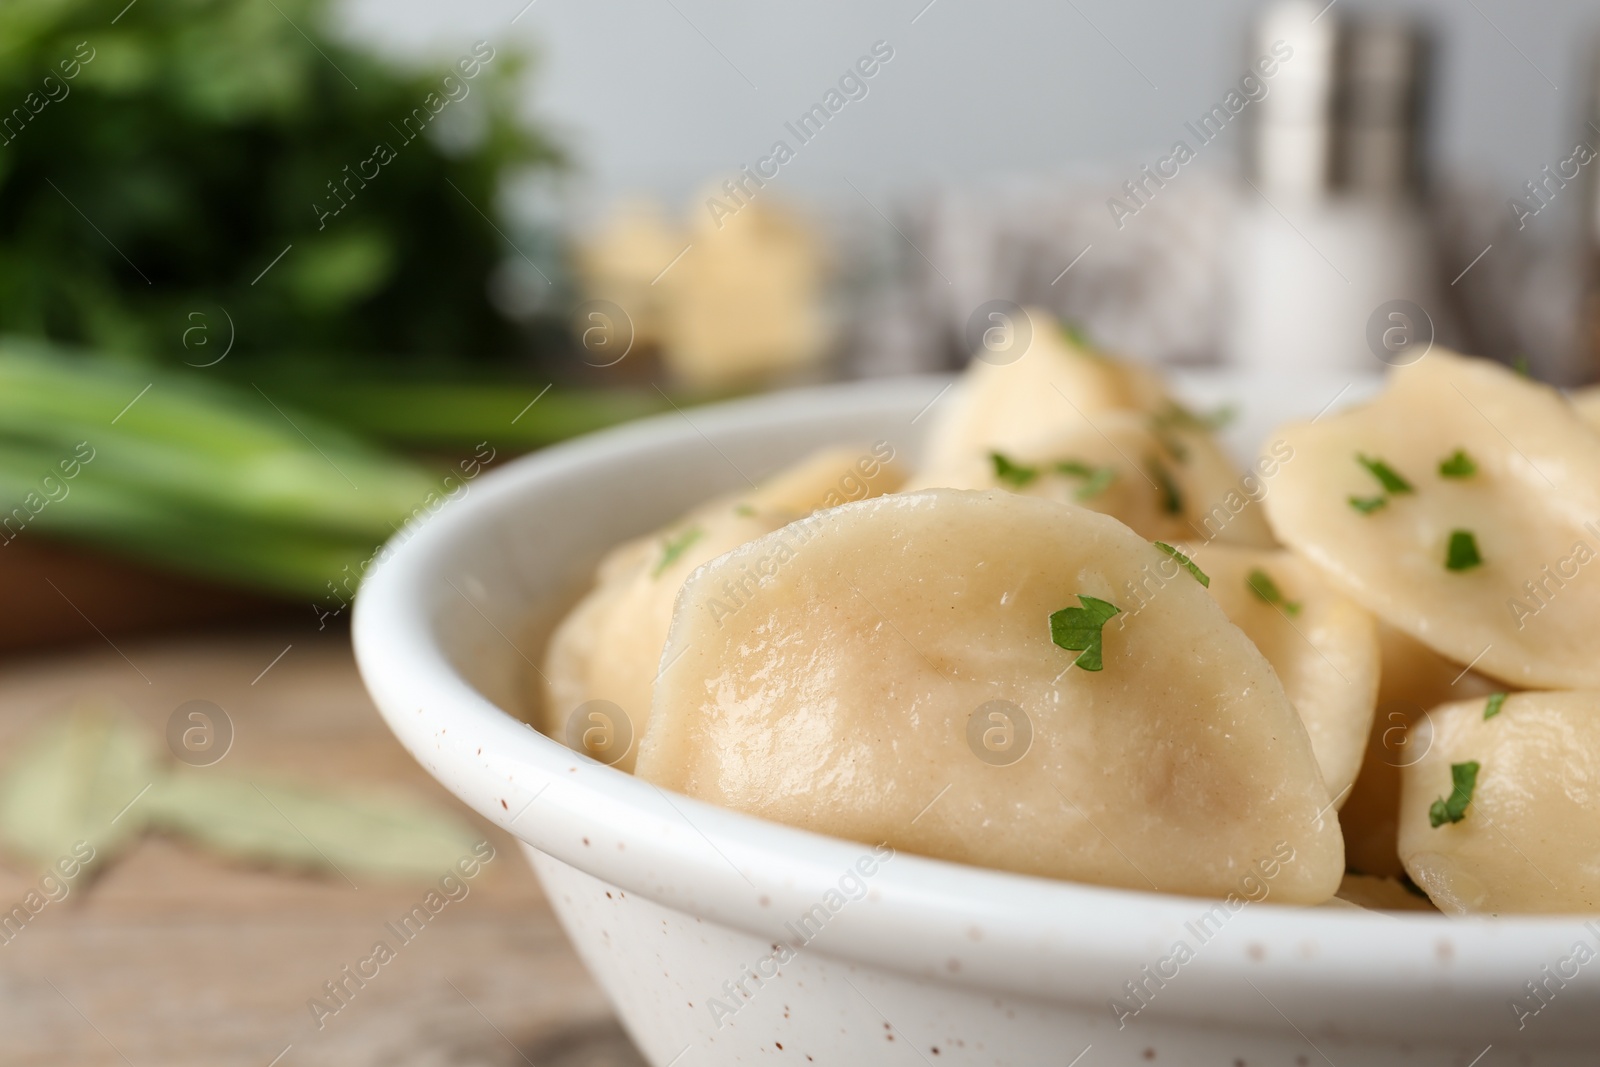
(674, 904)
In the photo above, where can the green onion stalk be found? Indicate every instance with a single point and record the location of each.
(225, 481)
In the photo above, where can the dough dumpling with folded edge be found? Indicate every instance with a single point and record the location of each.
(1166, 484)
(1412, 679)
(609, 646)
(1056, 382)
(894, 675)
(1323, 646)
(1461, 506)
(1520, 833)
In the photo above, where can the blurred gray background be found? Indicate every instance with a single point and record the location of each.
(656, 95)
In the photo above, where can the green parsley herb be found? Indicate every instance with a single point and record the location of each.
(1496, 702)
(1386, 475)
(1098, 483)
(1199, 575)
(1176, 416)
(1076, 336)
(673, 547)
(1079, 629)
(1462, 554)
(1171, 498)
(1175, 448)
(1459, 465)
(1464, 779)
(1368, 504)
(1012, 473)
(1098, 479)
(1520, 365)
(745, 511)
(1262, 585)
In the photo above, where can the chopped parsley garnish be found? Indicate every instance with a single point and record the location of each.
(1496, 702)
(1012, 473)
(675, 546)
(745, 510)
(1177, 416)
(1199, 575)
(1386, 475)
(1175, 448)
(1098, 483)
(1464, 779)
(1459, 465)
(1520, 365)
(1171, 499)
(1368, 504)
(1097, 479)
(1077, 337)
(1262, 585)
(1079, 629)
(1462, 554)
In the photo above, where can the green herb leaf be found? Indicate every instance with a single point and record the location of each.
(1520, 365)
(1462, 554)
(368, 834)
(1098, 483)
(1171, 498)
(1199, 575)
(1368, 504)
(1496, 702)
(1098, 479)
(1262, 585)
(1459, 465)
(77, 777)
(744, 511)
(675, 546)
(1174, 447)
(1079, 629)
(1076, 336)
(1176, 416)
(1386, 475)
(92, 777)
(1464, 779)
(1012, 473)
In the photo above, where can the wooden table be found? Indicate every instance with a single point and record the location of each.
(174, 958)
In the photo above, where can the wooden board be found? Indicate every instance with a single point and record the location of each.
(52, 590)
(175, 958)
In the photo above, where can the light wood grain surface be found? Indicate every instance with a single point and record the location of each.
(174, 958)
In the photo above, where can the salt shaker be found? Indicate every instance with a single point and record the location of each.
(1332, 266)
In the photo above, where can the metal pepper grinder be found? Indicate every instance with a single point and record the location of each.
(1333, 266)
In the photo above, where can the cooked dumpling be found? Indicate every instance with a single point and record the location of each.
(828, 478)
(1516, 800)
(1323, 647)
(1380, 894)
(1460, 507)
(894, 676)
(1587, 403)
(1056, 383)
(1167, 486)
(609, 647)
(1067, 422)
(1413, 678)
